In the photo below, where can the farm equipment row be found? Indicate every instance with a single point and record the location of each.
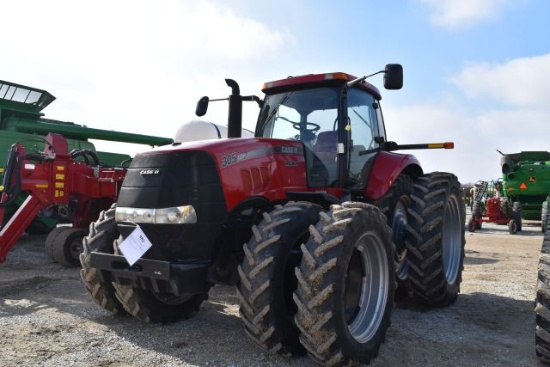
(336, 227)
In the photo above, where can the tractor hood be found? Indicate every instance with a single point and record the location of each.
(234, 168)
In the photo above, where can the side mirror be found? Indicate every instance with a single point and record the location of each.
(393, 76)
(202, 106)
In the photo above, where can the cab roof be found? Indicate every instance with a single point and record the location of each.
(309, 80)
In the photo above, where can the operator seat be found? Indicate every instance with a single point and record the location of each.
(357, 162)
(325, 148)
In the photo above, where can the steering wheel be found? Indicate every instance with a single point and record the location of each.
(310, 126)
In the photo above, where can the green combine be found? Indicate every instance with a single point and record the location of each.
(21, 120)
(526, 180)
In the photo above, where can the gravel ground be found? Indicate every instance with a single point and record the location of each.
(48, 319)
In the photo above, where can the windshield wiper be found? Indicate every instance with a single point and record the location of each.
(362, 118)
(276, 109)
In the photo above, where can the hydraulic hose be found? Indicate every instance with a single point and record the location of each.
(90, 157)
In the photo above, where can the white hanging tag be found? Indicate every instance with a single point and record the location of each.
(135, 245)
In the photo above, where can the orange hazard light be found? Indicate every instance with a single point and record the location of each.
(523, 186)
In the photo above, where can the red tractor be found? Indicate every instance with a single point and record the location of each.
(72, 186)
(494, 209)
(315, 219)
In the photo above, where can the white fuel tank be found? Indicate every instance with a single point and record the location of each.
(204, 130)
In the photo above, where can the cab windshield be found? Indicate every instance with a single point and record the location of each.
(299, 115)
(311, 116)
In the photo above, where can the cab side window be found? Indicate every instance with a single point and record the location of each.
(363, 122)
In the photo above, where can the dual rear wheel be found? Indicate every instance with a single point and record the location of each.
(346, 283)
(302, 277)
(348, 271)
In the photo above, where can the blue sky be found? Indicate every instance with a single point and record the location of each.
(477, 72)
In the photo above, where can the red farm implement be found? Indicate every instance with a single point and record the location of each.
(72, 186)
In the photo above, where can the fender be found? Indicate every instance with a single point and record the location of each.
(387, 166)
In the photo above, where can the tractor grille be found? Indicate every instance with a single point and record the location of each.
(172, 179)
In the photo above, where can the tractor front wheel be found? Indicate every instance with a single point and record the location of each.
(436, 239)
(102, 234)
(346, 284)
(268, 280)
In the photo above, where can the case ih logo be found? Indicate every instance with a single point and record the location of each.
(147, 172)
(291, 150)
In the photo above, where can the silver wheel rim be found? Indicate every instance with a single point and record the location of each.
(374, 290)
(452, 239)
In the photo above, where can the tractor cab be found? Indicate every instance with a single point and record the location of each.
(337, 118)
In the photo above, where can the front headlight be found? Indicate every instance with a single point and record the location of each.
(177, 215)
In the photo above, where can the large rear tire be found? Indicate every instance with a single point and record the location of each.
(268, 280)
(394, 206)
(346, 283)
(102, 234)
(542, 303)
(436, 239)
